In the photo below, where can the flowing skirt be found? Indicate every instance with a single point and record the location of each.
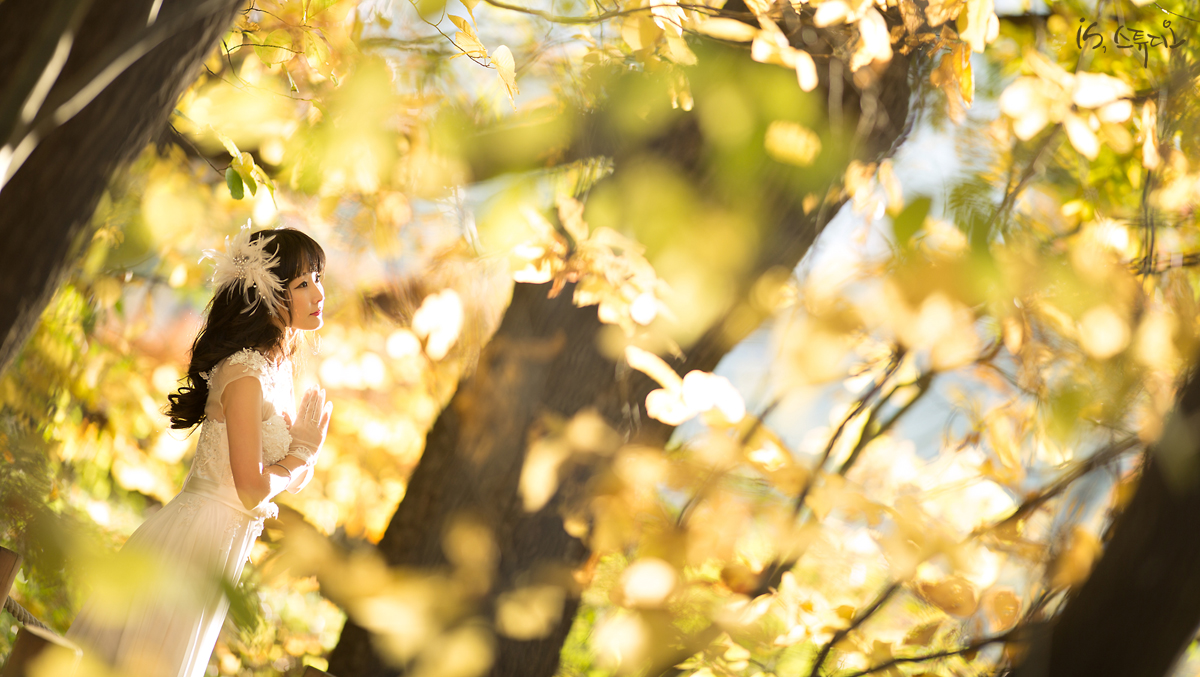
(180, 557)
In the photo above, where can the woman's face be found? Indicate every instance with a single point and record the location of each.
(308, 298)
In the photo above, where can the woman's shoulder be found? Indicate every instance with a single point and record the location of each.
(249, 358)
(245, 362)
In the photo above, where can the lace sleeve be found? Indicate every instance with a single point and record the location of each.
(242, 364)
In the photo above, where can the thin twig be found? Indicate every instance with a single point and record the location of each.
(923, 384)
(973, 646)
(1160, 264)
(1010, 197)
(181, 137)
(1096, 460)
(861, 618)
(715, 474)
(438, 28)
(1148, 220)
(897, 358)
(602, 17)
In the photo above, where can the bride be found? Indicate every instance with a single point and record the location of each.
(253, 445)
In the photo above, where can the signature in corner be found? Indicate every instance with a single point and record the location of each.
(1135, 39)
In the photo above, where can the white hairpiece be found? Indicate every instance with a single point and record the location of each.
(248, 265)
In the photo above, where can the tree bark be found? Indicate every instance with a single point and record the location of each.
(544, 358)
(1138, 611)
(46, 208)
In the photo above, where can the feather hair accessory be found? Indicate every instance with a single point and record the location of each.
(246, 265)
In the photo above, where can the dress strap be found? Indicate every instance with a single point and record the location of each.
(212, 490)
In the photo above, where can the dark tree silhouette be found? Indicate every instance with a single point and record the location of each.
(545, 359)
(1139, 609)
(47, 205)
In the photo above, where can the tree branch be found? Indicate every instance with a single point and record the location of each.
(838, 636)
(84, 87)
(40, 66)
(973, 646)
(923, 384)
(863, 401)
(599, 18)
(1096, 460)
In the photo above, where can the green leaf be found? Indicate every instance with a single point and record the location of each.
(275, 48)
(315, 7)
(234, 181)
(316, 50)
(908, 222)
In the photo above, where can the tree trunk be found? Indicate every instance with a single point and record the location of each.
(1139, 609)
(46, 208)
(544, 358)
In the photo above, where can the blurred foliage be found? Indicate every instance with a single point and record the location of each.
(955, 395)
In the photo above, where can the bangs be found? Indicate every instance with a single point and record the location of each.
(307, 260)
(298, 253)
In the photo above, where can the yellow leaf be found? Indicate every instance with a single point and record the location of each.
(876, 40)
(640, 32)
(470, 5)
(529, 613)
(653, 366)
(502, 59)
(648, 582)
(317, 52)
(539, 475)
(962, 70)
(1014, 334)
(1003, 608)
(244, 166)
(939, 12)
(792, 143)
(1081, 136)
(1003, 437)
(229, 145)
(727, 29)
(1116, 112)
(806, 71)
(1150, 156)
(974, 25)
(439, 320)
(668, 406)
(467, 39)
(669, 16)
(923, 634)
(703, 391)
(570, 213)
(954, 594)
(831, 12)
(470, 45)
(1074, 563)
(275, 48)
(1093, 90)
(1103, 332)
(678, 51)
(462, 24)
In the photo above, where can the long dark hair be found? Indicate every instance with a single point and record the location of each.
(229, 326)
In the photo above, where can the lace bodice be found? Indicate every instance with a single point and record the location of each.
(212, 450)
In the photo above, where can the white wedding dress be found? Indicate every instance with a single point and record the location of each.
(199, 539)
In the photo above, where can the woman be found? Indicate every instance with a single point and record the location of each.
(267, 289)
